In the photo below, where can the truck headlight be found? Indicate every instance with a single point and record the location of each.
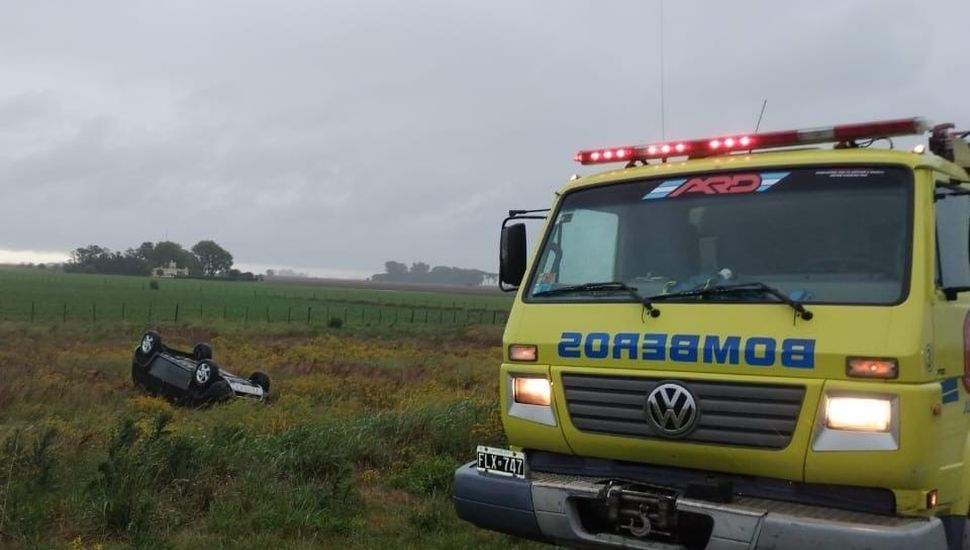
(858, 414)
(529, 397)
(532, 391)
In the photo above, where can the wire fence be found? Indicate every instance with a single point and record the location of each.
(251, 313)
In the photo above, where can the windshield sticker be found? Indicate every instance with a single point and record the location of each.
(545, 282)
(720, 184)
(850, 173)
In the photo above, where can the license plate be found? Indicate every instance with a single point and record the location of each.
(501, 461)
(242, 388)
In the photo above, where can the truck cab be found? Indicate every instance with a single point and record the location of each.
(741, 341)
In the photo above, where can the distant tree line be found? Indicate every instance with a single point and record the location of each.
(420, 272)
(204, 260)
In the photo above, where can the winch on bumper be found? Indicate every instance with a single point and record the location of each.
(596, 512)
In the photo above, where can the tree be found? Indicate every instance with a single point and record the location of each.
(168, 251)
(146, 251)
(213, 259)
(87, 255)
(419, 270)
(395, 269)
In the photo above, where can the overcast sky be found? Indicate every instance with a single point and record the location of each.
(331, 136)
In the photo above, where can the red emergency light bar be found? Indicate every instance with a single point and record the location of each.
(706, 147)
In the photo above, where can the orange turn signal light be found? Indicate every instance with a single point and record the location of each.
(867, 367)
(523, 352)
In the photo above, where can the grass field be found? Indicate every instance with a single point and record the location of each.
(356, 450)
(30, 295)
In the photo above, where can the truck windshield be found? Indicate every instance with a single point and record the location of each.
(819, 235)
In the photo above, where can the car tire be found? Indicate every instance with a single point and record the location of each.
(261, 380)
(205, 374)
(202, 351)
(136, 370)
(217, 392)
(151, 342)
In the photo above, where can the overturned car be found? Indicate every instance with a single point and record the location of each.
(189, 378)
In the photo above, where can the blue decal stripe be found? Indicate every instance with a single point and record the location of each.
(769, 179)
(664, 189)
(951, 391)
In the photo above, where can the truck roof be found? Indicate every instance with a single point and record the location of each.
(773, 159)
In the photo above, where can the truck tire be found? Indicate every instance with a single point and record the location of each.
(955, 528)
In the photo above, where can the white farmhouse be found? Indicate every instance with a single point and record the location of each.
(170, 271)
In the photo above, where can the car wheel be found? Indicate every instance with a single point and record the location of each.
(202, 351)
(206, 372)
(135, 374)
(151, 341)
(261, 380)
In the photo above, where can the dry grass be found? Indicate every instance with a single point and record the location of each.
(355, 450)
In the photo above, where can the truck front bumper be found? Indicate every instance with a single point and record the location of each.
(544, 507)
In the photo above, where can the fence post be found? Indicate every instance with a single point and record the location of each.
(308, 310)
(412, 316)
(289, 314)
(176, 312)
(31, 311)
(426, 317)
(494, 316)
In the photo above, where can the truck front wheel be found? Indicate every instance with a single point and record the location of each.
(955, 528)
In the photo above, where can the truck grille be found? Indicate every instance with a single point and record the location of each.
(743, 414)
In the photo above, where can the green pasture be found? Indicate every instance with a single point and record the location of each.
(47, 297)
(355, 449)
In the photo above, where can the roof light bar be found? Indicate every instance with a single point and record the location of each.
(705, 147)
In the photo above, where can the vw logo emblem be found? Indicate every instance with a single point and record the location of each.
(671, 409)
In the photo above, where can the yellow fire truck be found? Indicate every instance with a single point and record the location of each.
(743, 341)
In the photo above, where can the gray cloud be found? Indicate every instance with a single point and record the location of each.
(341, 134)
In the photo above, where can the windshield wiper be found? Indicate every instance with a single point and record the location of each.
(602, 286)
(728, 290)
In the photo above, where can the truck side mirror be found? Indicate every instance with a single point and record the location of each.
(512, 255)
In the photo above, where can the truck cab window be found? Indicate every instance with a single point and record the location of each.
(819, 234)
(582, 247)
(952, 238)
